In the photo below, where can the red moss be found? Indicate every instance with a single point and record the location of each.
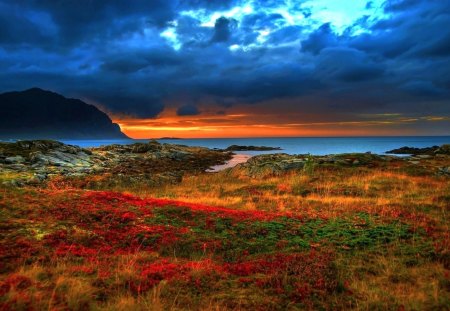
(297, 275)
(128, 216)
(161, 270)
(82, 270)
(76, 250)
(15, 281)
(114, 199)
(115, 224)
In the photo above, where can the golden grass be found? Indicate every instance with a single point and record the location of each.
(384, 193)
(378, 280)
(371, 191)
(391, 285)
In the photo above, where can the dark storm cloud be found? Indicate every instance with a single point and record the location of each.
(268, 82)
(223, 29)
(135, 105)
(348, 65)
(439, 47)
(125, 65)
(136, 57)
(82, 19)
(401, 5)
(422, 88)
(188, 110)
(225, 103)
(206, 4)
(320, 39)
(19, 26)
(159, 57)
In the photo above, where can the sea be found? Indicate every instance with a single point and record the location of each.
(294, 145)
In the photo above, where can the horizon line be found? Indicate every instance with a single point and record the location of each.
(259, 137)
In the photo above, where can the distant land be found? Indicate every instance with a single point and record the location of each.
(251, 148)
(41, 114)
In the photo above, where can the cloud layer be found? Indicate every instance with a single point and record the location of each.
(319, 58)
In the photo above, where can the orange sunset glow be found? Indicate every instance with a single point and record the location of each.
(270, 125)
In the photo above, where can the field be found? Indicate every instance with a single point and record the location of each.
(327, 237)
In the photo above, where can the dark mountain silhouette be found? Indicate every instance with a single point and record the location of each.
(40, 114)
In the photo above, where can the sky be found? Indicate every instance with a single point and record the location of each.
(238, 68)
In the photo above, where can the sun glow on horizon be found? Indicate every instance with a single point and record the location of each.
(244, 125)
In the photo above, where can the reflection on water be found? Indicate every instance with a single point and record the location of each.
(237, 159)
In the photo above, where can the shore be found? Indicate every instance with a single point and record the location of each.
(128, 227)
(235, 160)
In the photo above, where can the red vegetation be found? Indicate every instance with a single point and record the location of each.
(105, 197)
(193, 247)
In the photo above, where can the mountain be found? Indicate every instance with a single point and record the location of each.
(40, 114)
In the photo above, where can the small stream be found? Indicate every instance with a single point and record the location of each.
(237, 159)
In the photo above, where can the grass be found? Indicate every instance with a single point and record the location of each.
(326, 237)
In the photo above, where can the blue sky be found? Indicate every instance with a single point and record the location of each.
(340, 66)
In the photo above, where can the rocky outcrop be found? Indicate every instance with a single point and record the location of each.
(263, 166)
(153, 163)
(444, 171)
(40, 159)
(269, 165)
(36, 161)
(434, 150)
(444, 150)
(278, 164)
(155, 157)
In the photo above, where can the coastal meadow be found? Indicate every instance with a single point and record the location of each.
(320, 238)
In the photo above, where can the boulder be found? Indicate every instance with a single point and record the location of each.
(143, 148)
(445, 171)
(444, 149)
(269, 165)
(14, 160)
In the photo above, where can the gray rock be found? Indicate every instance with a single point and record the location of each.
(267, 165)
(179, 155)
(38, 158)
(445, 171)
(423, 156)
(14, 160)
(17, 167)
(40, 177)
(444, 149)
(149, 147)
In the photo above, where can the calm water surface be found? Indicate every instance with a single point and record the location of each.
(295, 145)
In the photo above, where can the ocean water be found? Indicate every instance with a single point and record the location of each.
(296, 145)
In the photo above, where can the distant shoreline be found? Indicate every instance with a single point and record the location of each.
(291, 137)
(230, 138)
(314, 146)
